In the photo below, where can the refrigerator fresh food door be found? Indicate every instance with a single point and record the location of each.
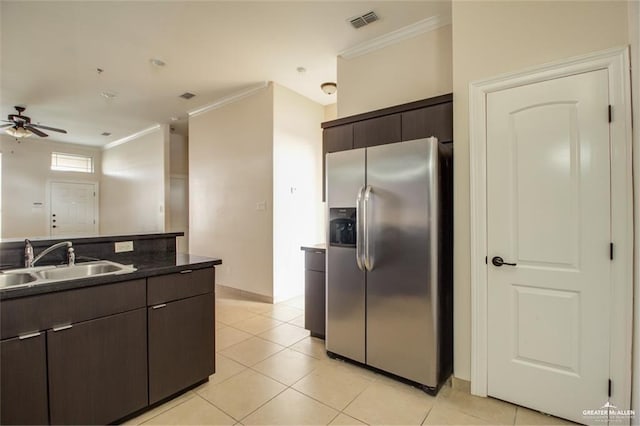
(401, 208)
(345, 332)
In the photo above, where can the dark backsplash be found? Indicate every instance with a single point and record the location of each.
(92, 248)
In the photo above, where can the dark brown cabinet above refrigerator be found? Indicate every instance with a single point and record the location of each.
(414, 120)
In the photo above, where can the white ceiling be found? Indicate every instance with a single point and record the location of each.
(51, 50)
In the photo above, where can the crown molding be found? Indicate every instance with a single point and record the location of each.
(131, 137)
(404, 33)
(234, 97)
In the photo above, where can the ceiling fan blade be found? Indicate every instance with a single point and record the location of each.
(4, 126)
(36, 131)
(53, 129)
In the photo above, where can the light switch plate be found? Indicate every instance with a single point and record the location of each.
(123, 246)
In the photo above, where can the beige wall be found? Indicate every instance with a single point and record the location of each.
(407, 71)
(26, 175)
(179, 189)
(490, 38)
(230, 177)
(330, 112)
(133, 195)
(634, 37)
(298, 214)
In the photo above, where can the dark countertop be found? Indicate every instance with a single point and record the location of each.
(147, 266)
(315, 247)
(46, 241)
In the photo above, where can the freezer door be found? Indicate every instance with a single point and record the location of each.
(402, 219)
(345, 331)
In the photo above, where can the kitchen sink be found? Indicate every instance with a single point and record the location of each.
(48, 274)
(82, 270)
(9, 280)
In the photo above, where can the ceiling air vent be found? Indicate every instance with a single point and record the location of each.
(361, 21)
(187, 95)
(105, 134)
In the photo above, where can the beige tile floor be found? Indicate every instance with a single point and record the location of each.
(269, 371)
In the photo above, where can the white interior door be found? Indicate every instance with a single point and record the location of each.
(73, 209)
(548, 207)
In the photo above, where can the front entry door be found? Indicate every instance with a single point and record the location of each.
(548, 183)
(73, 209)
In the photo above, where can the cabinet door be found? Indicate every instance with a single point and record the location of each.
(377, 131)
(98, 369)
(435, 121)
(23, 381)
(181, 345)
(334, 139)
(314, 302)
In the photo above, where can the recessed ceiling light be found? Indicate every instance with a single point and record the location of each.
(174, 119)
(105, 134)
(187, 95)
(301, 70)
(157, 62)
(108, 95)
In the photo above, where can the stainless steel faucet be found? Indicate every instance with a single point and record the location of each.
(30, 261)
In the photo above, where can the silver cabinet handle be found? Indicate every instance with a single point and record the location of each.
(29, 336)
(62, 327)
(359, 229)
(162, 305)
(368, 251)
(186, 271)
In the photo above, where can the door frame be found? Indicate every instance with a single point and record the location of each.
(96, 201)
(616, 61)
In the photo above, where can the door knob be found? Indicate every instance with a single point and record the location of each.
(498, 261)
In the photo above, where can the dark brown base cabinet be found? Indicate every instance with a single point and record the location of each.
(98, 369)
(23, 380)
(180, 345)
(99, 354)
(314, 293)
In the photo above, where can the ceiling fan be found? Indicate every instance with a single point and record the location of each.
(20, 126)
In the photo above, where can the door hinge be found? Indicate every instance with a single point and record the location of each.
(610, 114)
(611, 251)
(609, 391)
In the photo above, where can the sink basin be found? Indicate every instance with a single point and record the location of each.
(47, 274)
(8, 280)
(84, 270)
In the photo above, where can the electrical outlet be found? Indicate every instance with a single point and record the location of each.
(123, 246)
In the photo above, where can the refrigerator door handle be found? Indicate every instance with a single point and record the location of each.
(368, 251)
(359, 229)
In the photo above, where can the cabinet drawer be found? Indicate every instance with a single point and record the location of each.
(314, 260)
(181, 285)
(41, 312)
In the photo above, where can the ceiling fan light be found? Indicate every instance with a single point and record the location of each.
(19, 132)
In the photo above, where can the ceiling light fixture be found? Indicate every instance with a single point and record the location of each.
(18, 132)
(174, 119)
(301, 70)
(106, 133)
(108, 95)
(157, 62)
(329, 88)
(187, 95)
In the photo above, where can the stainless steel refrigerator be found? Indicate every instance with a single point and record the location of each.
(389, 259)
